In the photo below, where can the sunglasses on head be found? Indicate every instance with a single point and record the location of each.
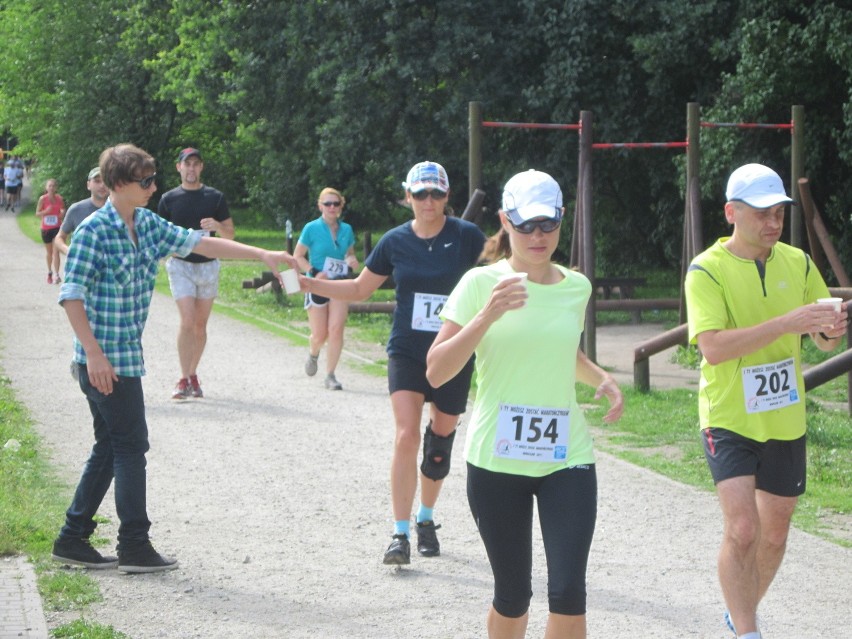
(146, 181)
(331, 203)
(547, 225)
(434, 193)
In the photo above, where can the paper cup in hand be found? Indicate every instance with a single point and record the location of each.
(834, 301)
(512, 276)
(291, 281)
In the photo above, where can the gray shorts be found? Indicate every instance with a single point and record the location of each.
(193, 279)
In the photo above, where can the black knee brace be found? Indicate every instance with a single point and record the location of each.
(436, 448)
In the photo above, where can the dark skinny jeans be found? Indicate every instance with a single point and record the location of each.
(121, 441)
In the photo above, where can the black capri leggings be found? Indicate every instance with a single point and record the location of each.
(502, 507)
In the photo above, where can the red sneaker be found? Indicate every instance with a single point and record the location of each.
(195, 389)
(182, 389)
(50, 278)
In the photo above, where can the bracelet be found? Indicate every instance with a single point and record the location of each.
(826, 337)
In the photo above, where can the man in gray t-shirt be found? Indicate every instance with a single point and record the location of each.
(79, 211)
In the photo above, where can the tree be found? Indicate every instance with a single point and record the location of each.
(792, 53)
(67, 97)
(285, 98)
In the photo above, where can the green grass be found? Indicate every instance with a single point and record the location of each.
(659, 431)
(33, 503)
(81, 629)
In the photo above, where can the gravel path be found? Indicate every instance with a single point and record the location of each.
(273, 493)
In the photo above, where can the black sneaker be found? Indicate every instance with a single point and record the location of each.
(79, 552)
(427, 540)
(144, 558)
(399, 552)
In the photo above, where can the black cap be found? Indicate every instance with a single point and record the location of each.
(189, 152)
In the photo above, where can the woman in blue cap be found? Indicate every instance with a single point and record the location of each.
(527, 440)
(426, 257)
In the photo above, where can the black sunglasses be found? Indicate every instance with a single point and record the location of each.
(146, 181)
(547, 225)
(331, 203)
(435, 193)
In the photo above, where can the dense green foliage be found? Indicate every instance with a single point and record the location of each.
(287, 97)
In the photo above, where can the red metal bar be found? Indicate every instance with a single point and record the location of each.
(745, 125)
(530, 125)
(640, 145)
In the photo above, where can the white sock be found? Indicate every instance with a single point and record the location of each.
(750, 635)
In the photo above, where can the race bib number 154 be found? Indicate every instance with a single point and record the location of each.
(532, 433)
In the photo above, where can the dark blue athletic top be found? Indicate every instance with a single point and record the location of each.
(429, 267)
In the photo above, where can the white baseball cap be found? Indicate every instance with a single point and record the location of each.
(756, 185)
(532, 194)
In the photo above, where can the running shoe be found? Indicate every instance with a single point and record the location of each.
(730, 624)
(427, 540)
(57, 280)
(311, 365)
(79, 552)
(331, 382)
(195, 387)
(50, 278)
(183, 389)
(399, 551)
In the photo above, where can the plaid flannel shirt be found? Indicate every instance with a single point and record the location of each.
(115, 279)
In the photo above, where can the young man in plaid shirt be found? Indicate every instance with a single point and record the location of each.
(109, 280)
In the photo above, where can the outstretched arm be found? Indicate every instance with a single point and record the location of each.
(348, 290)
(229, 249)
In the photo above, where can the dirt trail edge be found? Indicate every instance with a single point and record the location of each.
(273, 494)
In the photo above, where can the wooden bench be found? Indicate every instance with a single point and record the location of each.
(623, 286)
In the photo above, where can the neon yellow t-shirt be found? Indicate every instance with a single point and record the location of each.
(526, 362)
(761, 395)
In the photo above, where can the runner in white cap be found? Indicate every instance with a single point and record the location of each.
(749, 299)
(527, 441)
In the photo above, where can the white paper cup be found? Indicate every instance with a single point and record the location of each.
(291, 281)
(512, 276)
(834, 301)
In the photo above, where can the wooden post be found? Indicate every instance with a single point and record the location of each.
(822, 233)
(797, 169)
(368, 244)
(587, 241)
(692, 235)
(693, 177)
(474, 149)
(815, 248)
(642, 375)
